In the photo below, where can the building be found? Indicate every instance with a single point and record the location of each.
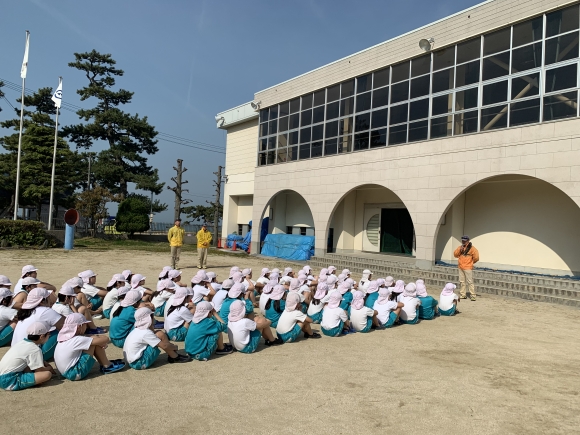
(400, 150)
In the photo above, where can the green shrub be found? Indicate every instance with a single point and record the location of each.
(132, 216)
(22, 233)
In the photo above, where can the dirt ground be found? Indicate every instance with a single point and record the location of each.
(502, 366)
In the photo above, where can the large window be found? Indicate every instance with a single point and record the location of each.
(521, 74)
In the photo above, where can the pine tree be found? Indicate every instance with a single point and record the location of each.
(129, 136)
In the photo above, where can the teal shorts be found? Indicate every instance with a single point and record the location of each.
(50, 345)
(212, 343)
(160, 311)
(17, 381)
(81, 369)
(334, 332)
(6, 335)
(291, 336)
(118, 342)
(369, 324)
(316, 318)
(391, 321)
(107, 313)
(304, 307)
(177, 334)
(147, 359)
(253, 344)
(96, 302)
(412, 322)
(449, 312)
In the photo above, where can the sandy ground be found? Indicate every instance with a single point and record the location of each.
(502, 366)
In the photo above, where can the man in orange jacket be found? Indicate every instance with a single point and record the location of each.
(467, 256)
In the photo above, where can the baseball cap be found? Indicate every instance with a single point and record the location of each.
(86, 275)
(5, 293)
(136, 279)
(465, 237)
(29, 281)
(35, 297)
(4, 281)
(131, 298)
(37, 328)
(27, 269)
(66, 290)
(165, 283)
(174, 273)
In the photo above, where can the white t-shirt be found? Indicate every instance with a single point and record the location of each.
(288, 320)
(137, 341)
(141, 290)
(264, 298)
(168, 305)
(6, 315)
(41, 314)
(363, 286)
(115, 308)
(199, 292)
(409, 311)
(22, 355)
(62, 309)
(315, 309)
(161, 298)
(331, 317)
(18, 287)
(263, 280)
(111, 298)
(216, 286)
(68, 353)
(304, 289)
(177, 318)
(446, 302)
(90, 290)
(384, 310)
(219, 299)
(358, 318)
(239, 332)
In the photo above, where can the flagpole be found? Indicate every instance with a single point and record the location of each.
(53, 167)
(23, 75)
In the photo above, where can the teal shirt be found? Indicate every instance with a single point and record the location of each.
(346, 300)
(272, 315)
(371, 299)
(198, 334)
(225, 309)
(427, 308)
(122, 325)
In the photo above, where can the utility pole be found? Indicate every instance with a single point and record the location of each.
(218, 190)
(177, 189)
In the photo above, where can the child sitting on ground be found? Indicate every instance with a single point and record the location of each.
(204, 335)
(8, 319)
(237, 293)
(165, 289)
(94, 294)
(317, 304)
(221, 294)
(116, 282)
(334, 319)
(411, 303)
(362, 318)
(164, 274)
(428, 307)
(448, 300)
(293, 321)
(137, 283)
(387, 308)
(202, 289)
(372, 294)
(244, 334)
(180, 315)
(123, 318)
(65, 306)
(275, 305)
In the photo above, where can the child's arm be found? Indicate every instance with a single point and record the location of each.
(217, 316)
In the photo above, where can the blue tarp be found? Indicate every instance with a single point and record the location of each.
(288, 246)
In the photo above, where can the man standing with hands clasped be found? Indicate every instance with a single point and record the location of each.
(467, 256)
(175, 237)
(203, 242)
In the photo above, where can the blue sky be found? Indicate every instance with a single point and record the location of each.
(188, 60)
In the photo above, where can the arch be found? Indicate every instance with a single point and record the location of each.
(518, 222)
(373, 218)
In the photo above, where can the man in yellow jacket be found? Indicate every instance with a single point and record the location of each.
(175, 237)
(203, 242)
(467, 256)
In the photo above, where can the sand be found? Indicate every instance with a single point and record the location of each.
(503, 366)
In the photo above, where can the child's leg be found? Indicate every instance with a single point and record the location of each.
(82, 298)
(305, 326)
(88, 316)
(398, 311)
(375, 321)
(166, 345)
(100, 355)
(102, 293)
(220, 343)
(263, 325)
(42, 377)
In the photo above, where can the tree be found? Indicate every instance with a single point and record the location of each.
(1, 93)
(133, 215)
(129, 136)
(202, 213)
(92, 204)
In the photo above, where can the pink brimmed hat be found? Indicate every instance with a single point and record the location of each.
(278, 292)
(27, 269)
(292, 301)
(201, 311)
(86, 275)
(5, 293)
(143, 318)
(237, 311)
(321, 290)
(383, 295)
(131, 298)
(35, 297)
(421, 289)
(448, 290)
(236, 290)
(165, 284)
(334, 300)
(358, 300)
(179, 297)
(37, 328)
(69, 329)
(136, 279)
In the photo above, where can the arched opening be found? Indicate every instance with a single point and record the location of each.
(371, 218)
(517, 223)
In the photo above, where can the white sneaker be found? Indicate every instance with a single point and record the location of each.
(97, 316)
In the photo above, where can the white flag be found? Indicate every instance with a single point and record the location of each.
(57, 96)
(25, 61)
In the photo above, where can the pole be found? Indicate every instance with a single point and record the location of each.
(217, 204)
(17, 194)
(151, 215)
(89, 178)
(53, 173)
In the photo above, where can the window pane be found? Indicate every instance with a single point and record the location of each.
(525, 112)
(272, 143)
(419, 109)
(292, 154)
(306, 118)
(400, 92)
(468, 50)
(363, 102)
(284, 109)
(264, 115)
(399, 113)
(345, 143)
(562, 48)
(293, 138)
(283, 124)
(381, 78)
(264, 129)
(263, 145)
(496, 41)
(317, 132)
(333, 93)
(442, 104)
(273, 127)
(443, 58)
(465, 122)
(466, 99)
(467, 74)
(332, 110)
(305, 135)
(527, 57)
(345, 126)
(362, 122)
(400, 72)
(271, 157)
(443, 80)
(525, 86)
(496, 66)
(316, 149)
(332, 129)
(304, 151)
(282, 140)
(380, 97)
(306, 102)
(495, 93)
(274, 112)
(418, 131)
(493, 117)
(380, 118)
(379, 138)
(561, 78)
(562, 21)
(318, 114)
(294, 105)
(294, 121)
(528, 31)
(261, 159)
(560, 106)
(420, 86)
(282, 155)
(330, 146)
(441, 127)
(347, 89)
(361, 141)
(346, 106)
(363, 83)
(398, 134)
(319, 97)
(421, 65)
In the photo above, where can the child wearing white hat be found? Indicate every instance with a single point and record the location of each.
(334, 319)
(428, 307)
(180, 315)
(113, 286)
(202, 289)
(175, 276)
(275, 305)
(165, 289)
(8, 319)
(26, 285)
(221, 294)
(164, 274)
(293, 321)
(244, 334)
(65, 306)
(137, 283)
(123, 319)
(94, 294)
(410, 311)
(234, 294)
(74, 352)
(142, 345)
(5, 282)
(204, 335)
(387, 308)
(30, 271)
(448, 300)
(23, 366)
(121, 293)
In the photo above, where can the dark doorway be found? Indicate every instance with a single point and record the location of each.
(396, 231)
(330, 241)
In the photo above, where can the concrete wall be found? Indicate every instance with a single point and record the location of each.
(290, 209)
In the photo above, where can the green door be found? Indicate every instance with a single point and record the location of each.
(396, 231)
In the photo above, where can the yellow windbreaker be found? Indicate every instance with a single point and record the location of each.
(175, 236)
(203, 237)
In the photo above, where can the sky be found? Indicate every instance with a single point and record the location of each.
(187, 60)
